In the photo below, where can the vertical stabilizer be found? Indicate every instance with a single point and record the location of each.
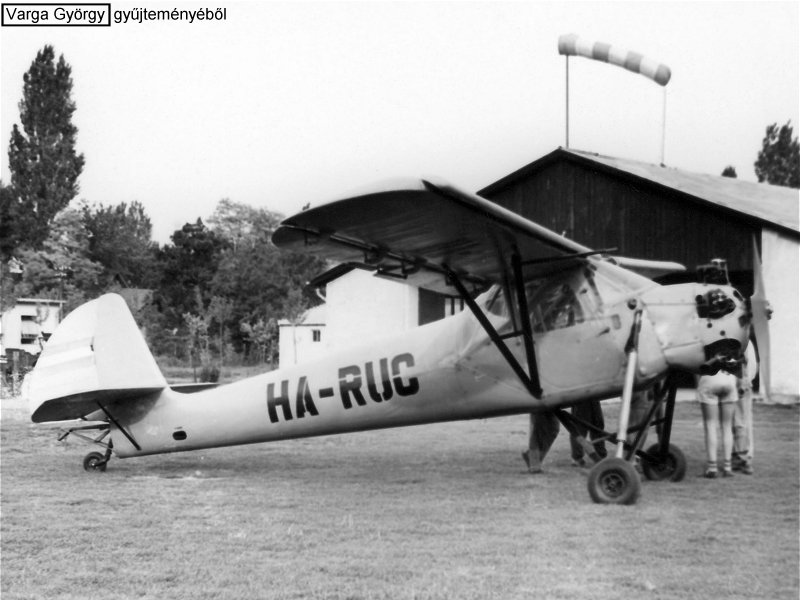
(97, 352)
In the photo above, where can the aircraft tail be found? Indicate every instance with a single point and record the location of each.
(95, 356)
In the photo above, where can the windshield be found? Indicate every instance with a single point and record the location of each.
(557, 302)
(494, 301)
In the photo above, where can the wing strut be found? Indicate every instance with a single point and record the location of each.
(525, 323)
(531, 382)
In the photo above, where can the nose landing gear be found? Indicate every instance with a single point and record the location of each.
(615, 480)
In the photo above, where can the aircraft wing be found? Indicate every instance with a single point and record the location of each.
(418, 231)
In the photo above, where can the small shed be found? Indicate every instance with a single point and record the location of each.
(302, 340)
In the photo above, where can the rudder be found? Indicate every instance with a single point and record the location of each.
(96, 353)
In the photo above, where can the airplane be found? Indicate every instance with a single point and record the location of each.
(548, 323)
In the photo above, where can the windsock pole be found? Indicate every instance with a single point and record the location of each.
(572, 45)
(663, 125)
(567, 143)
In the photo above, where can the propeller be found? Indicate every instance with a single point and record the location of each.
(761, 311)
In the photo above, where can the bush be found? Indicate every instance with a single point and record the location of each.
(209, 373)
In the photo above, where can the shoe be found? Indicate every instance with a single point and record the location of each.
(578, 462)
(727, 473)
(747, 469)
(710, 474)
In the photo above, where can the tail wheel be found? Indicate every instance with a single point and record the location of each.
(662, 467)
(614, 481)
(95, 462)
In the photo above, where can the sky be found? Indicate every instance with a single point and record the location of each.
(285, 104)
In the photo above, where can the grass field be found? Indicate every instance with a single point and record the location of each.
(441, 511)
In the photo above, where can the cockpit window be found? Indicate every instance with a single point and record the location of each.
(555, 306)
(553, 302)
(495, 302)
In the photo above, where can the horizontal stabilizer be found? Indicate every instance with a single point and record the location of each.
(96, 355)
(648, 268)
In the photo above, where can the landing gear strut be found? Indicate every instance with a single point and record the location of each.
(614, 480)
(93, 462)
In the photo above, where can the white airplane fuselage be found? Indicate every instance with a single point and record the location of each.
(447, 370)
(444, 371)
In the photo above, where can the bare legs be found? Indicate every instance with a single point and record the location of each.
(716, 416)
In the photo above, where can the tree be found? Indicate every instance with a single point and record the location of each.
(241, 225)
(197, 341)
(11, 235)
(779, 158)
(262, 283)
(119, 239)
(729, 171)
(219, 312)
(188, 267)
(61, 268)
(262, 336)
(42, 159)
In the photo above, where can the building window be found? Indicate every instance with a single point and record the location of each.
(316, 335)
(454, 306)
(29, 329)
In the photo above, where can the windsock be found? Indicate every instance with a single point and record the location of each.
(572, 45)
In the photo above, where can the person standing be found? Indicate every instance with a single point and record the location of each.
(543, 431)
(718, 395)
(590, 412)
(742, 459)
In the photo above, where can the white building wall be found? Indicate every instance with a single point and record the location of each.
(364, 308)
(43, 313)
(781, 269)
(304, 341)
(359, 308)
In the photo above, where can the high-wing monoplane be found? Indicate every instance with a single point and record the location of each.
(548, 323)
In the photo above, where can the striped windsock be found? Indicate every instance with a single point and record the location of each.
(572, 45)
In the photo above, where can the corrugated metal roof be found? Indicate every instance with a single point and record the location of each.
(773, 203)
(768, 203)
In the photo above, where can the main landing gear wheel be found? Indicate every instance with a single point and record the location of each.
(614, 481)
(95, 462)
(657, 467)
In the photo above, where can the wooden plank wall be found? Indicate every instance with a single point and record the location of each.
(601, 211)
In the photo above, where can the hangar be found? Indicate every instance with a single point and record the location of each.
(662, 213)
(645, 211)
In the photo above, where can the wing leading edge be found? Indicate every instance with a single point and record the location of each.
(422, 230)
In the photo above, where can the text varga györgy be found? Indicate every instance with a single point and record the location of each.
(62, 15)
